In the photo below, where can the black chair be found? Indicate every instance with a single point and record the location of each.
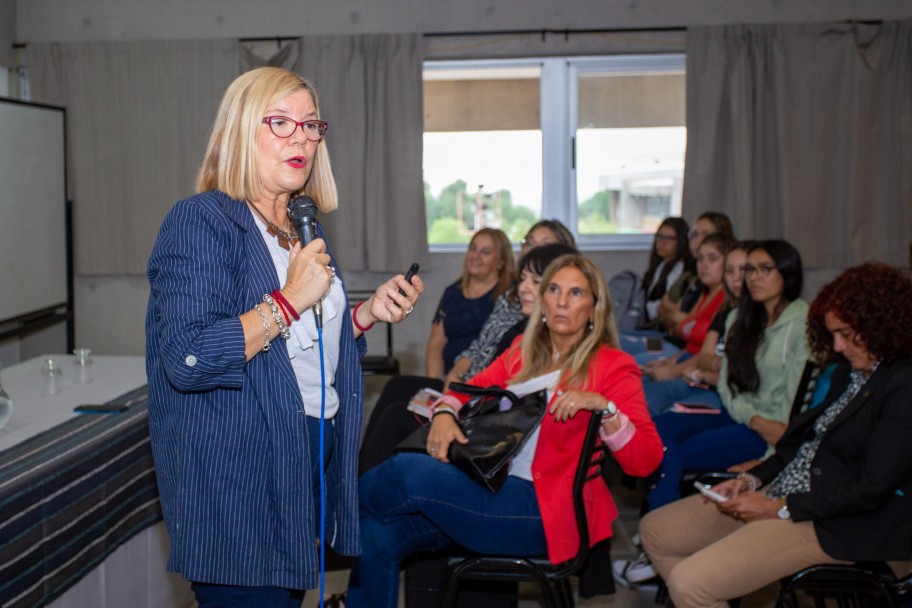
(553, 580)
(375, 365)
(859, 585)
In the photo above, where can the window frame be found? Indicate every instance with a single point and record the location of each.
(558, 103)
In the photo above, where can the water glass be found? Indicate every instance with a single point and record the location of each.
(83, 363)
(50, 372)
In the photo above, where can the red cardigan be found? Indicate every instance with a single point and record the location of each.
(694, 327)
(615, 375)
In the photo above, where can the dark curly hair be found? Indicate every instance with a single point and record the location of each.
(875, 300)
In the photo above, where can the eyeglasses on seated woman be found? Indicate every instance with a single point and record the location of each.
(837, 488)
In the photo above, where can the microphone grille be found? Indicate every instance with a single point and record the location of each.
(302, 207)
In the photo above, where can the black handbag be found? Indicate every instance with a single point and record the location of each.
(494, 436)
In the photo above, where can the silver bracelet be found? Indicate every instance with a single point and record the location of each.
(753, 482)
(284, 330)
(265, 326)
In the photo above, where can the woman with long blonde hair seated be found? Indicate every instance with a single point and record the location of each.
(420, 502)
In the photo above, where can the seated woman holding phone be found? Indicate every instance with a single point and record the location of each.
(837, 488)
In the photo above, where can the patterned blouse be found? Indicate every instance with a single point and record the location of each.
(795, 478)
(507, 313)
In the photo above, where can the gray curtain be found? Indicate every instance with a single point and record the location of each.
(804, 132)
(139, 114)
(370, 92)
(138, 117)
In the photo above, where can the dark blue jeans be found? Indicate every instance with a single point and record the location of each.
(699, 441)
(232, 596)
(414, 503)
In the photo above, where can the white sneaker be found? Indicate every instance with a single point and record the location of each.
(633, 573)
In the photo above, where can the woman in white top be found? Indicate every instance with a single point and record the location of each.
(669, 259)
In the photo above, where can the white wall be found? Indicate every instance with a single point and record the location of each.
(65, 20)
(110, 310)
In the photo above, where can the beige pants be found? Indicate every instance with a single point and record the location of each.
(707, 558)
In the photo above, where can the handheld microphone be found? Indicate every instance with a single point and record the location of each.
(303, 213)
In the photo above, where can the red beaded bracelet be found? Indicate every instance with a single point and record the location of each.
(287, 308)
(355, 319)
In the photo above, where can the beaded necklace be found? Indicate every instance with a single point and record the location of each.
(286, 239)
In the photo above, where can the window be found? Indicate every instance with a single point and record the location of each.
(596, 142)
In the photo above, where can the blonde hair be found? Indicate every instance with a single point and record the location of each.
(230, 162)
(536, 341)
(508, 264)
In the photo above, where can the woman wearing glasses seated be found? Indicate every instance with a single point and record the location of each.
(669, 260)
(839, 485)
(765, 354)
(679, 300)
(239, 406)
(420, 502)
(681, 296)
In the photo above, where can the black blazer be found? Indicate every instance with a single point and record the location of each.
(861, 476)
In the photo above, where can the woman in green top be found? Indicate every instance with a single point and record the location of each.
(765, 354)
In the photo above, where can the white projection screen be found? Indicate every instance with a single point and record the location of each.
(33, 224)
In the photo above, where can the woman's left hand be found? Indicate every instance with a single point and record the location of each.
(567, 404)
(750, 506)
(390, 306)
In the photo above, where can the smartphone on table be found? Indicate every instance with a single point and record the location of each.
(100, 408)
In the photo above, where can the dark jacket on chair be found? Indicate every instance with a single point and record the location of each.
(861, 476)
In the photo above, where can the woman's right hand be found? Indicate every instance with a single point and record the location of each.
(731, 487)
(444, 430)
(309, 275)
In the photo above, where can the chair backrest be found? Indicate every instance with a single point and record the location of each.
(627, 299)
(386, 364)
(590, 464)
(553, 580)
(808, 396)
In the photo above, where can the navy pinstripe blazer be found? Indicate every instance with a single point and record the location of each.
(228, 436)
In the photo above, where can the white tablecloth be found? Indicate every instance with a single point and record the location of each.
(34, 412)
(134, 575)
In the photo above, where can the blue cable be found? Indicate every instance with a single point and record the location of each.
(322, 476)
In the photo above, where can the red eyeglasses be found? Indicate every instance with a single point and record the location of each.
(284, 127)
